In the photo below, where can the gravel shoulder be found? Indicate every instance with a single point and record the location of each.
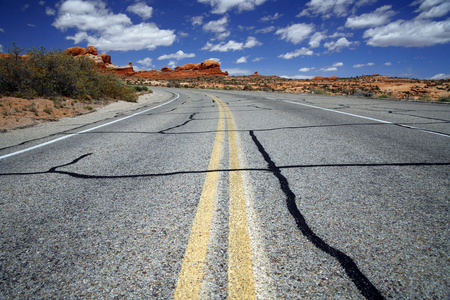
(43, 130)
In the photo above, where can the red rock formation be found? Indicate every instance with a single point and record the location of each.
(92, 50)
(256, 74)
(325, 78)
(191, 70)
(106, 58)
(76, 51)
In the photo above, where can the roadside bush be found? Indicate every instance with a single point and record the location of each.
(55, 73)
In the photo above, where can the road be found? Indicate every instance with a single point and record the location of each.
(225, 194)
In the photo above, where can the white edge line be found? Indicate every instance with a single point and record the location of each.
(84, 131)
(367, 118)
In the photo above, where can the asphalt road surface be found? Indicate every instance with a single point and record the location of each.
(240, 195)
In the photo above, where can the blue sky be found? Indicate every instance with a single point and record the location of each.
(293, 38)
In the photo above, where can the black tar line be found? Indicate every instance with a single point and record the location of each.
(54, 170)
(363, 284)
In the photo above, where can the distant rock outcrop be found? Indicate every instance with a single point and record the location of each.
(102, 60)
(191, 70)
(325, 78)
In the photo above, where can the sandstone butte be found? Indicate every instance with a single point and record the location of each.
(191, 70)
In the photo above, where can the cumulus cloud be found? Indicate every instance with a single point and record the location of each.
(296, 53)
(327, 8)
(415, 33)
(232, 45)
(363, 65)
(388, 63)
(306, 69)
(440, 76)
(265, 29)
(314, 41)
(378, 17)
(295, 33)
(179, 55)
(432, 8)
(50, 11)
(198, 20)
(333, 67)
(106, 30)
(241, 60)
(219, 27)
(222, 6)
(339, 44)
(141, 9)
(276, 16)
(297, 77)
(146, 62)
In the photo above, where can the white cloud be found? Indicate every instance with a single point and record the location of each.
(216, 26)
(241, 60)
(339, 44)
(297, 77)
(108, 31)
(2, 30)
(296, 53)
(1, 48)
(146, 62)
(232, 45)
(315, 40)
(415, 33)
(237, 71)
(179, 55)
(257, 59)
(42, 3)
(265, 29)
(276, 16)
(197, 20)
(295, 33)
(219, 27)
(327, 8)
(432, 8)
(330, 69)
(333, 67)
(141, 9)
(376, 18)
(388, 63)
(306, 69)
(440, 76)
(370, 64)
(222, 6)
(50, 11)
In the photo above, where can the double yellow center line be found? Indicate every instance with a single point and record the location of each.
(240, 272)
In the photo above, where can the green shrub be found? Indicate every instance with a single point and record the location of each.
(55, 73)
(444, 99)
(383, 96)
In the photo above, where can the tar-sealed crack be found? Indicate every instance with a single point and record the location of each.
(191, 118)
(362, 283)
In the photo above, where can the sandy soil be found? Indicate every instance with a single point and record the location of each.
(20, 127)
(20, 113)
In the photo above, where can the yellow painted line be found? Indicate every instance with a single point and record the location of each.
(240, 272)
(191, 275)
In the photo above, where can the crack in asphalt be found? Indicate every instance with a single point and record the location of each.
(54, 170)
(362, 283)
